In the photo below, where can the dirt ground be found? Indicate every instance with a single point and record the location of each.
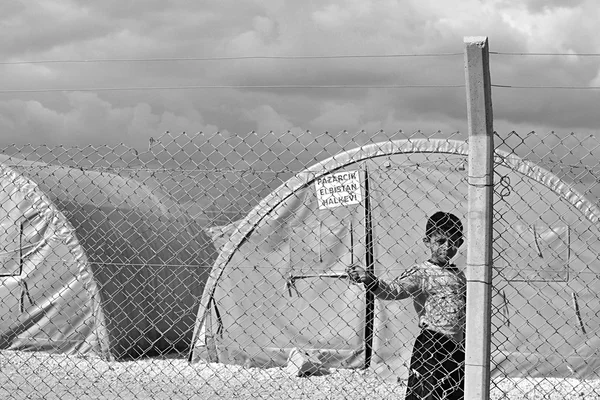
(26, 375)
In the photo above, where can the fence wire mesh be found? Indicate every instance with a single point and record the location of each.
(216, 266)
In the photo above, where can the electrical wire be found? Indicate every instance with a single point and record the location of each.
(546, 87)
(227, 58)
(503, 53)
(289, 57)
(189, 87)
(200, 87)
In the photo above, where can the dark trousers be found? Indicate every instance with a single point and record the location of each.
(437, 368)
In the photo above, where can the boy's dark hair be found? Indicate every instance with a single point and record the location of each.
(443, 222)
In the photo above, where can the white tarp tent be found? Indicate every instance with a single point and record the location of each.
(91, 262)
(547, 247)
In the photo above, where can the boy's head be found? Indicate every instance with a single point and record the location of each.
(443, 236)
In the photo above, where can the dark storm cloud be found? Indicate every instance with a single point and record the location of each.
(161, 29)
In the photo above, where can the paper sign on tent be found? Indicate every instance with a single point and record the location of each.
(339, 189)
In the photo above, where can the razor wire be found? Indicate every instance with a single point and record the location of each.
(110, 254)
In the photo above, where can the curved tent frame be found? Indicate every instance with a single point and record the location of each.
(513, 358)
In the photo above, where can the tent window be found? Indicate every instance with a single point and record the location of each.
(10, 248)
(530, 253)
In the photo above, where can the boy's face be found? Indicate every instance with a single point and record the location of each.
(443, 247)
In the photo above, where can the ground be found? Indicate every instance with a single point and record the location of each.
(28, 375)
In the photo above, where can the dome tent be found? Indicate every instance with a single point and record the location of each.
(544, 307)
(95, 263)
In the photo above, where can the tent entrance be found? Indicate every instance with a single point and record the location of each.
(324, 252)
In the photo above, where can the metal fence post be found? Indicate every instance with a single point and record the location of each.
(479, 220)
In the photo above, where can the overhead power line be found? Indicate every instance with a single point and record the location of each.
(208, 87)
(547, 87)
(289, 57)
(505, 53)
(190, 87)
(226, 58)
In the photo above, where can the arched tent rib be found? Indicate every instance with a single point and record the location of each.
(503, 161)
(305, 178)
(334, 163)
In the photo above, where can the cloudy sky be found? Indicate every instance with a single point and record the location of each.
(32, 111)
(80, 73)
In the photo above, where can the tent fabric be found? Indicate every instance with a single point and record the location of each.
(48, 297)
(220, 234)
(537, 330)
(96, 263)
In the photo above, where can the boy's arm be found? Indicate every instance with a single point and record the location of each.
(399, 288)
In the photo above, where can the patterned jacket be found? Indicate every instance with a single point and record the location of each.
(439, 296)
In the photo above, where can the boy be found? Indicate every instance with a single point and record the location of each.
(438, 290)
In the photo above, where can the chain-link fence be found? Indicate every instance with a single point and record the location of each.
(546, 261)
(215, 266)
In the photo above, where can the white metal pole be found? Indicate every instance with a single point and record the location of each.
(479, 219)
